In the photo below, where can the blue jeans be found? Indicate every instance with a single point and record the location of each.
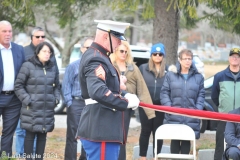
(20, 136)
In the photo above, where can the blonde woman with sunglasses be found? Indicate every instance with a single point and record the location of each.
(135, 84)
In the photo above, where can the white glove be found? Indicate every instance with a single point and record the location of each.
(133, 101)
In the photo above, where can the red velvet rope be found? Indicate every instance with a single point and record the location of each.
(200, 114)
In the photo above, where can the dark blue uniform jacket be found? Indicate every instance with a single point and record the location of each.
(99, 80)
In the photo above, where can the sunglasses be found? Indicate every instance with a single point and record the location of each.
(159, 54)
(122, 51)
(39, 36)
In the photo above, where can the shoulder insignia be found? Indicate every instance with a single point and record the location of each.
(100, 72)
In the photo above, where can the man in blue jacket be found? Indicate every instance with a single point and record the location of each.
(232, 137)
(72, 97)
(225, 95)
(11, 59)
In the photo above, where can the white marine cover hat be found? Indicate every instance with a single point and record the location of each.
(117, 29)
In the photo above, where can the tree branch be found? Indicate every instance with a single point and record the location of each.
(49, 36)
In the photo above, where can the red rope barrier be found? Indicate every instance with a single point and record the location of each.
(200, 114)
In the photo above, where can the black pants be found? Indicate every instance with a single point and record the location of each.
(127, 116)
(149, 126)
(219, 149)
(73, 117)
(40, 145)
(180, 147)
(10, 111)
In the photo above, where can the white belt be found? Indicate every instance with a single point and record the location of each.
(90, 101)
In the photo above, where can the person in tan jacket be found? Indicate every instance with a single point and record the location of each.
(135, 84)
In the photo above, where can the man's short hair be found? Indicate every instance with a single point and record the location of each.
(185, 51)
(35, 29)
(5, 22)
(85, 39)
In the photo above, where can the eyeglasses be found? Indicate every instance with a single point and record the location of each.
(159, 54)
(39, 36)
(122, 51)
(45, 51)
(186, 59)
(234, 57)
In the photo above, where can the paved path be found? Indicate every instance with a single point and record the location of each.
(60, 122)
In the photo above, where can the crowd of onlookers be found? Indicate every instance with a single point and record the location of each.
(30, 89)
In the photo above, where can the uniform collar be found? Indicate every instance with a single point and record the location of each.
(100, 48)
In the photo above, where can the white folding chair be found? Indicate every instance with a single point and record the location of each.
(175, 132)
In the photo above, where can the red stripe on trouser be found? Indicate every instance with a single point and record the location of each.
(103, 148)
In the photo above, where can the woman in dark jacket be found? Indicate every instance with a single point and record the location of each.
(183, 87)
(37, 86)
(153, 73)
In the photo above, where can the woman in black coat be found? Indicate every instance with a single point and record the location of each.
(183, 87)
(153, 73)
(37, 86)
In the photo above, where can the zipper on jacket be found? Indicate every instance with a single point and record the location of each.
(155, 88)
(44, 70)
(234, 95)
(185, 91)
(44, 108)
(184, 118)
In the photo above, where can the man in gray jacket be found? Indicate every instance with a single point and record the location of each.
(37, 37)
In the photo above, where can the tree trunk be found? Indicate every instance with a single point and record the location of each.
(66, 56)
(70, 40)
(135, 30)
(203, 39)
(165, 29)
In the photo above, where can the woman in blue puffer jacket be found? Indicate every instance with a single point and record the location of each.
(183, 87)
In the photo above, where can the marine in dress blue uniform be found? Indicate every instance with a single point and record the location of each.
(101, 127)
